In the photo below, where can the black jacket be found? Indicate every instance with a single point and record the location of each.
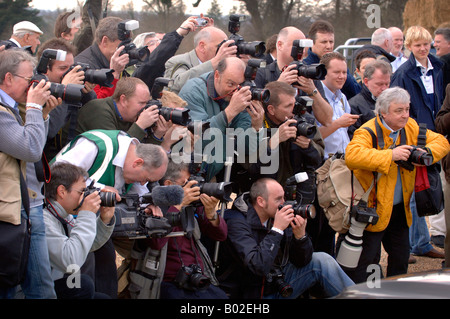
(381, 53)
(362, 104)
(252, 250)
(155, 66)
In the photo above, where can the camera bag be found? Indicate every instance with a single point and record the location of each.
(338, 191)
(428, 186)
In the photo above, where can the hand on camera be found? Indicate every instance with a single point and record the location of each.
(52, 103)
(39, 94)
(74, 76)
(227, 49)
(239, 101)
(191, 193)
(289, 74)
(91, 202)
(401, 153)
(302, 141)
(298, 225)
(283, 217)
(148, 117)
(119, 62)
(256, 111)
(210, 204)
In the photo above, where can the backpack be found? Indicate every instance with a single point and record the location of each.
(338, 190)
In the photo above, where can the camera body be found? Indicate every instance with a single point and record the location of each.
(313, 71)
(191, 278)
(275, 283)
(255, 48)
(124, 29)
(221, 191)
(304, 128)
(299, 192)
(416, 157)
(108, 199)
(251, 69)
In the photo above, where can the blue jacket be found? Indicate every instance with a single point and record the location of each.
(350, 88)
(408, 77)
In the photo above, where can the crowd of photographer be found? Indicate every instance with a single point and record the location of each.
(123, 150)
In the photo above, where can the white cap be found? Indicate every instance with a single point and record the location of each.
(26, 26)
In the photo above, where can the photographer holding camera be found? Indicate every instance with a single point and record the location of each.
(297, 150)
(62, 119)
(70, 239)
(120, 164)
(283, 69)
(189, 271)
(217, 97)
(395, 186)
(268, 254)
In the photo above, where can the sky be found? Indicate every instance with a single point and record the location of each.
(117, 4)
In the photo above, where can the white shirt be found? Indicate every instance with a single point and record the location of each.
(399, 60)
(427, 80)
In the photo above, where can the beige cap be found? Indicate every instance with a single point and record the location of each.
(26, 26)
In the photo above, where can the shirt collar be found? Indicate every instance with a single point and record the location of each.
(422, 68)
(7, 99)
(15, 41)
(330, 95)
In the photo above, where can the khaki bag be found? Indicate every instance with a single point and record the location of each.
(336, 186)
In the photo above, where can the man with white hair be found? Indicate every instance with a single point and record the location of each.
(25, 35)
(395, 185)
(381, 44)
(397, 48)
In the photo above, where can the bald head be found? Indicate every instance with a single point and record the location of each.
(285, 39)
(206, 42)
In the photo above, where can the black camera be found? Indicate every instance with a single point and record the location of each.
(251, 69)
(124, 33)
(222, 191)
(191, 278)
(275, 282)
(304, 128)
(103, 77)
(351, 247)
(313, 71)
(255, 48)
(416, 157)
(299, 192)
(108, 199)
(70, 93)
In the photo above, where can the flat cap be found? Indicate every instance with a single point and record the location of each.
(26, 26)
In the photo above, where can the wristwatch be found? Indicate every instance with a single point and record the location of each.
(314, 93)
(214, 218)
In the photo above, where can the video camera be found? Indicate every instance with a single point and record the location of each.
(313, 71)
(70, 93)
(255, 48)
(300, 195)
(416, 157)
(252, 67)
(103, 77)
(124, 33)
(132, 222)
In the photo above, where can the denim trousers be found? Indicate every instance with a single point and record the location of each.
(419, 235)
(323, 269)
(38, 283)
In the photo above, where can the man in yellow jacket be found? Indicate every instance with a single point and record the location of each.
(395, 185)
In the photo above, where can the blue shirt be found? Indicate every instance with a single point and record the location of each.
(337, 141)
(8, 100)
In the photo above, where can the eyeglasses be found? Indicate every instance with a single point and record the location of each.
(23, 77)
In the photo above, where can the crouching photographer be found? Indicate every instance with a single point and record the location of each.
(268, 254)
(188, 271)
(70, 239)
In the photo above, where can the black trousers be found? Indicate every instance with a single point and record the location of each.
(395, 240)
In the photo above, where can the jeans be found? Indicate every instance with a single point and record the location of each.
(419, 236)
(38, 283)
(86, 290)
(322, 269)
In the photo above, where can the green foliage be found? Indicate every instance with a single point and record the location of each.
(13, 11)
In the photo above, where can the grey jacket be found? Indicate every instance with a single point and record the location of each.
(183, 67)
(86, 233)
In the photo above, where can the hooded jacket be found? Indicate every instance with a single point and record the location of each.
(252, 249)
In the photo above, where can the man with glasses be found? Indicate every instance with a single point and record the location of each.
(24, 143)
(218, 98)
(70, 239)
